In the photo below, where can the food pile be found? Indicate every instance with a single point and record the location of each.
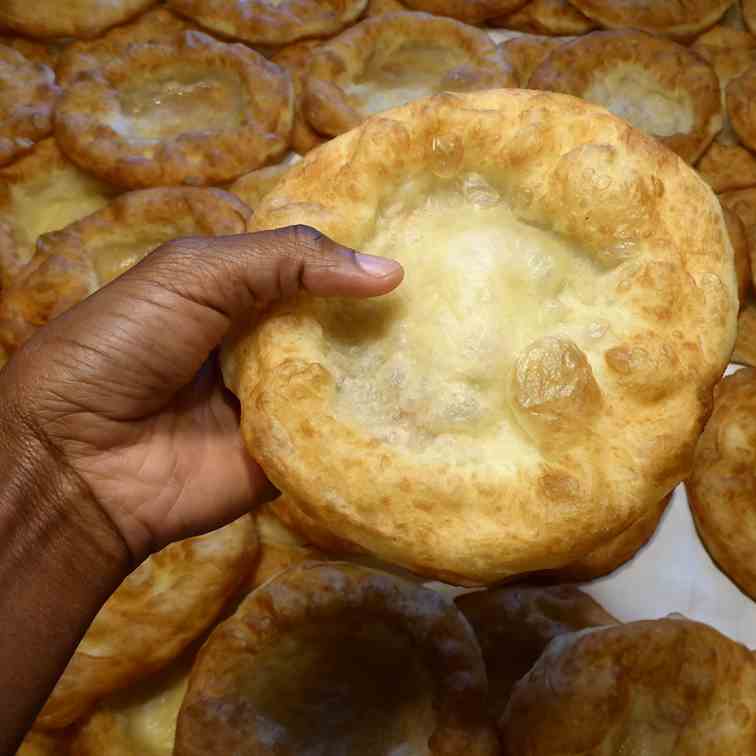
(571, 190)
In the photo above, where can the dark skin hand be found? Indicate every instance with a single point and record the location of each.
(118, 437)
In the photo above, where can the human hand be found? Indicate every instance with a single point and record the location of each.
(124, 390)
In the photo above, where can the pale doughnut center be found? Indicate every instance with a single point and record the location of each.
(342, 689)
(430, 364)
(173, 101)
(634, 94)
(401, 76)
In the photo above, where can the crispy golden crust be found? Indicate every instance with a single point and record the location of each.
(469, 11)
(668, 686)
(389, 60)
(721, 37)
(253, 187)
(28, 94)
(271, 23)
(158, 25)
(727, 167)
(526, 52)
(37, 52)
(72, 263)
(377, 7)
(143, 121)
(749, 14)
(315, 655)
(296, 60)
(140, 721)
(679, 19)
(165, 604)
(742, 108)
(551, 17)
(76, 18)
(657, 85)
(742, 249)
(614, 553)
(744, 352)
(722, 488)
(514, 624)
(386, 460)
(38, 743)
(42, 192)
(743, 204)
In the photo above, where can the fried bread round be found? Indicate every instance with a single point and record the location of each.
(551, 17)
(74, 18)
(271, 22)
(514, 624)
(377, 7)
(469, 11)
(727, 167)
(744, 352)
(72, 263)
(191, 111)
(167, 602)
(680, 19)
(331, 657)
(743, 204)
(741, 107)
(396, 58)
(28, 94)
(667, 686)
(742, 249)
(140, 721)
(253, 187)
(38, 743)
(526, 52)
(296, 60)
(544, 243)
(42, 192)
(78, 58)
(37, 52)
(655, 84)
(749, 14)
(722, 488)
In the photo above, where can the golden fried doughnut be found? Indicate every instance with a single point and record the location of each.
(190, 111)
(558, 263)
(741, 107)
(552, 17)
(657, 85)
(75, 18)
(469, 11)
(254, 186)
(167, 602)
(514, 624)
(28, 94)
(742, 249)
(722, 488)
(749, 14)
(727, 167)
(377, 7)
(271, 22)
(72, 263)
(679, 19)
(526, 52)
(41, 192)
(310, 528)
(744, 352)
(37, 52)
(296, 60)
(140, 721)
(393, 59)
(615, 552)
(38, 743)
(667, 686)
(336, 658)
(158, 25)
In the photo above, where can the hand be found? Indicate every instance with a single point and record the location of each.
(125, 391)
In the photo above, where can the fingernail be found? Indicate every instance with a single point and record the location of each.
(380, 267)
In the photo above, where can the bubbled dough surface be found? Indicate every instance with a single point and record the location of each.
(480, 286)
(632, 93)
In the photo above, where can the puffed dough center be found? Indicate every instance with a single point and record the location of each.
(429, 366)
(634, 94)
(335, 690)
(401, 76)
(178, 101)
